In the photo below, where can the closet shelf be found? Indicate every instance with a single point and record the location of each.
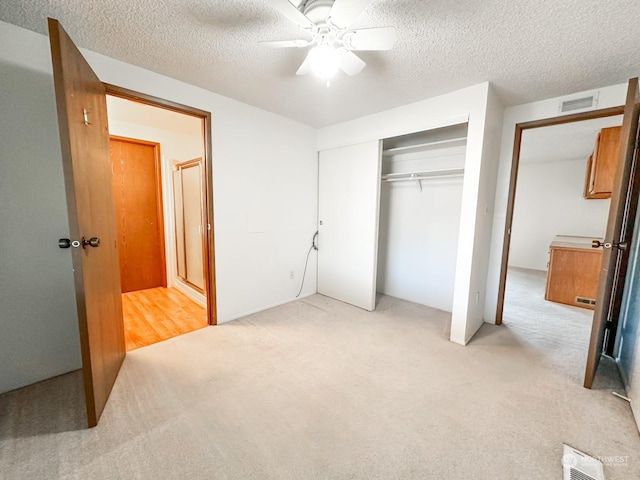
(452, 142)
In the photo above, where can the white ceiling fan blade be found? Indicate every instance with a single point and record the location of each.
(382, 38)
(286, 44)
(305, 68)
(350, 63)
(287, 9)
(344, 12)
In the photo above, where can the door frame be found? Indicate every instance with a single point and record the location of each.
(515, 162)
(209, 257)
(157, 159)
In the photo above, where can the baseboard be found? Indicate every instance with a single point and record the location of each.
(625, 380)
(262, 309)
(197, 297)
(635, 408)
(470, 336)
(467, 339)
(21, 385)
(635, 411)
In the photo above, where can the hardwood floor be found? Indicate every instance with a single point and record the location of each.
(157, 314)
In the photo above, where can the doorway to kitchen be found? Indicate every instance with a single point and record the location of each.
(561, 189)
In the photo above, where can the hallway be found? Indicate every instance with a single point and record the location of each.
(157, 314)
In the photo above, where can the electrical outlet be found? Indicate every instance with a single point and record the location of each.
(292, 274)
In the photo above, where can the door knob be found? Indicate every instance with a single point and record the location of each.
(598, 244)
(67, 243)
(620, 245)
(92, 242)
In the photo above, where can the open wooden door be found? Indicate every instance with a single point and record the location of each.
(84, 139)
(348, 210)
(615, 258)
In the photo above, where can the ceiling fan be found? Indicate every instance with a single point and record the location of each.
(333, 44)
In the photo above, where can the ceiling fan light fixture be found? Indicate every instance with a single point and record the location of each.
(327, 22)
(324, 61)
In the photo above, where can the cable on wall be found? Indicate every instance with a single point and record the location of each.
(313, 246)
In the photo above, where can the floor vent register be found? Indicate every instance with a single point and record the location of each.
(580, 466)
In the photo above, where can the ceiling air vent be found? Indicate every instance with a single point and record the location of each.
(583, 102)
(579, 466)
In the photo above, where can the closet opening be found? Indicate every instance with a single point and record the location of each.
(420, 207)
(161, 159)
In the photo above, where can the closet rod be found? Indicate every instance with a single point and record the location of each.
(424, 175)
(419, 176)
(409, 179)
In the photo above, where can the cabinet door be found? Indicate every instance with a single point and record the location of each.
(573, 276)
(605, 161)
(588, 180)
(348, 210)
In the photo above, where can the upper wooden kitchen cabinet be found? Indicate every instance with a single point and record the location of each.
(601, 168)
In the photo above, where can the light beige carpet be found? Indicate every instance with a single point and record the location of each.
(317, 389)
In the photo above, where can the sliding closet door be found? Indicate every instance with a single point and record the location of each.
(188, 202)
(193, 221)
(349, 197)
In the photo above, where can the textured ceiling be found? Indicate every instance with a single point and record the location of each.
(570, 141)
(530, 50)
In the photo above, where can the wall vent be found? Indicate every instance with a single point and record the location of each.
(579, 466)
(585, 301)
(584, 102)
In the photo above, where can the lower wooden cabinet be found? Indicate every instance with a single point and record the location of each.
(574, 269)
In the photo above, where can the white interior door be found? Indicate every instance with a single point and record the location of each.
(348, 209)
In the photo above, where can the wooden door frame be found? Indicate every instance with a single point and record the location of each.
(157, 159)
(209, 263)
(515, 163)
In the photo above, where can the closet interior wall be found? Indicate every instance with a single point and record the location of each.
(420, 205)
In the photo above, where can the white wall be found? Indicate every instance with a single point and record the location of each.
(550, 202)
(418, 239)
(479, 106)
(38, 320)
(608, 97)
(263, 164)
(181, 144)
(484, 201)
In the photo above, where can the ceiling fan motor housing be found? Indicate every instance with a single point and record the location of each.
(317, 10)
